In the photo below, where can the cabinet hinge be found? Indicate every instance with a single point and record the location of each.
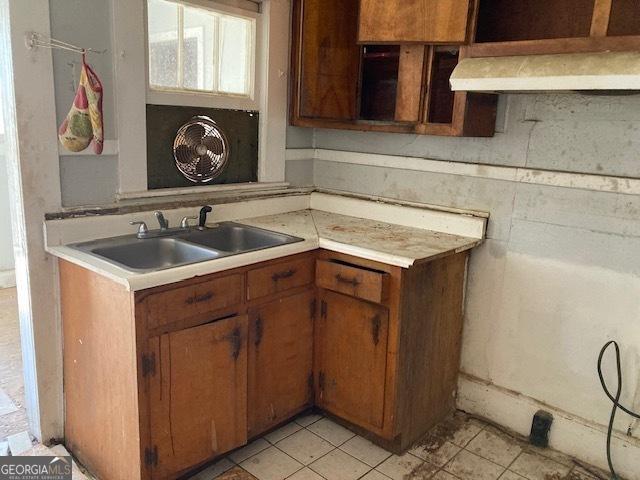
(148, 364)
(151, 456)
(310, 386)
(321, 380)
(323, 309)
(312, 309)
(259, 331)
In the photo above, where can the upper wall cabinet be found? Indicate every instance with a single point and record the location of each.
(379, 86)
(413, 21)
(530, 27)
(327, 58)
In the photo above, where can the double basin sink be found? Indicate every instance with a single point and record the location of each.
(183, 247)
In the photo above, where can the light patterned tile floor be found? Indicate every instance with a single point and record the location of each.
(313, 447)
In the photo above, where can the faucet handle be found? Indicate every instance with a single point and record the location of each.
(142, 229)
(185, 221)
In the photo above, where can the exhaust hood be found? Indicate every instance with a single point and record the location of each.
(610, 71)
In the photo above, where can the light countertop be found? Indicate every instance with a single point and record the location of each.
(385, 242)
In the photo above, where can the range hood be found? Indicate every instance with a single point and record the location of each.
(609, 71)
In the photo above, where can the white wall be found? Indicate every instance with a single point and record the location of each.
(560, 271)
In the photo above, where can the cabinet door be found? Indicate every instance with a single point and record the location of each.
(421, 21)
(198, 394)
(351, 356)
(327, 57)
(280, 360)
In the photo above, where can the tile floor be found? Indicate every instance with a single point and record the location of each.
(11, 381)
(315, 448)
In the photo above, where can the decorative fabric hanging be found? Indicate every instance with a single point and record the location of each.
(83, 124)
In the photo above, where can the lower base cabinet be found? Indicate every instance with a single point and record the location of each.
(197, 395)
(160, 382)
(351, 358)
(280, 360)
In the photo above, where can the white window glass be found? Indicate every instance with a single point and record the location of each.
(163, 43)
(197, 49)
(235, 46)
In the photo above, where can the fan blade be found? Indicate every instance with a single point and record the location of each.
(185, 154)
(193, 134)
(214, 144)
(204, 165)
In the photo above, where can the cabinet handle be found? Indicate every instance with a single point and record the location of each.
(200, 298)
(282, 275)
(351, 281)
(375, 329)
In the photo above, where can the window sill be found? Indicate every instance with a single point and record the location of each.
(172, 192)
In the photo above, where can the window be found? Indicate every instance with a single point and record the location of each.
(199, 50)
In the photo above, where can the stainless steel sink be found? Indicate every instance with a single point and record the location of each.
(152, 254)
(230, 237)
(183, 248)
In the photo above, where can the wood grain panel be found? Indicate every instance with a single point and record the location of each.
(279, 277)
(600, 20)
(101, 415)
(351, 358)
(328, 58)
(280, 368)
(183, 302)
(352, 280)
(198, 394)
(430, 342)
(419, 21)
(410, 78)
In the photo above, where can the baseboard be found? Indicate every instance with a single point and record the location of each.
(7, 278)
(572, 435)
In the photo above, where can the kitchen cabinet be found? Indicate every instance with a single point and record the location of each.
(197, 394)
(351, 353)
(387, 86)
(326, 59)
(530, 27)
(280, 360)
(417, 21)
(388, 344)
(176, 375)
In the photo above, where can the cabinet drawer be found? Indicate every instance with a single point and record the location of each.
(371, 285)
(279, 277)
(184, 302)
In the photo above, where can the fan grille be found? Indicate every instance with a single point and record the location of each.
(201, 150)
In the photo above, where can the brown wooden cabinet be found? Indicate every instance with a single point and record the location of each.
(326, 59)
(280, 360)
(417, 21)
(531, 27)
(173, 376)
(383, 85)
(351, 358)
(197, 394)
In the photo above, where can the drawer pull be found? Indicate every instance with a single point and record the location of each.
(351, 281)
(282, 275)
(200, 298)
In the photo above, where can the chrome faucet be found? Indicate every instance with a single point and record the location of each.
(163, 222)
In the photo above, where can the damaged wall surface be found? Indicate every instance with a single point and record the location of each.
(559, 274)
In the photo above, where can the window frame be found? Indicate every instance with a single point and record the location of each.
(183, 96)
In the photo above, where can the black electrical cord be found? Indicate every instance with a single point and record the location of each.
(615, 399)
